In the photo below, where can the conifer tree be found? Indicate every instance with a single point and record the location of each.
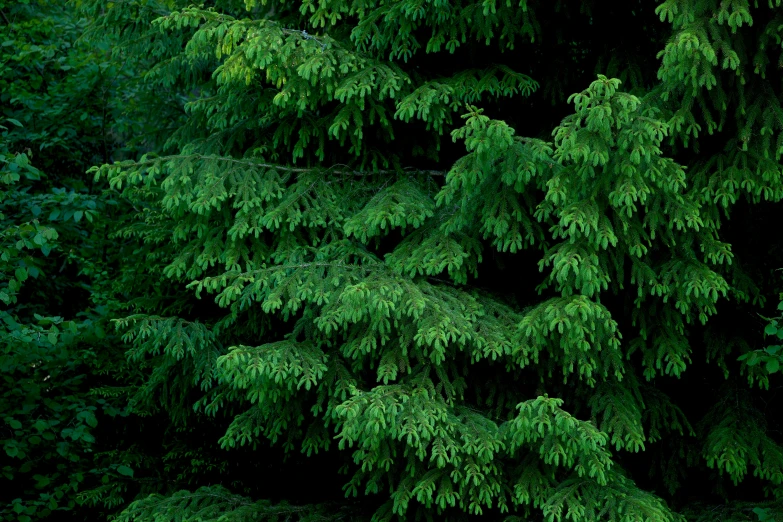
(480, 258)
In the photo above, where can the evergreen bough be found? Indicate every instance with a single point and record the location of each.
(388, 232)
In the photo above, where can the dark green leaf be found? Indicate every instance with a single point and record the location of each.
(20, 274)
(91, 420)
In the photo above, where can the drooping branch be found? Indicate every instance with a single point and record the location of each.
(294, 170)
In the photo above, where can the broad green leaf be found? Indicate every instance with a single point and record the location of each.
(91, 420)
(42, 481)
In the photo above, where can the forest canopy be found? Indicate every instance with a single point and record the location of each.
(391, 260)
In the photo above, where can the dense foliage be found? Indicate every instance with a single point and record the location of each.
(427, 260)
(53, 263)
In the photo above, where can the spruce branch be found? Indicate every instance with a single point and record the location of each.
(259, 164)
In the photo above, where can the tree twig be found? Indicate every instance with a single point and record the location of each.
(293, 170)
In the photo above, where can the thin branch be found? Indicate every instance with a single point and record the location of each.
(293, 170)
